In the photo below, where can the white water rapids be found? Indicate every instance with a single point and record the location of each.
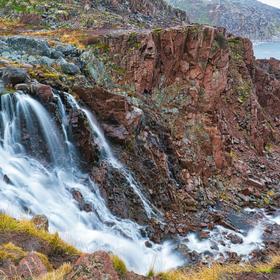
(35, 186)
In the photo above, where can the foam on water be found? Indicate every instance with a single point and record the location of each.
(36, 188)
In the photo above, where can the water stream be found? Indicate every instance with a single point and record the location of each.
(35, 184)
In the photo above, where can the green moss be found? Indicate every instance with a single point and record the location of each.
(221, 40)
(151, 273)
(119, 265)
(133, 41)
(243, 91)
(8, 224)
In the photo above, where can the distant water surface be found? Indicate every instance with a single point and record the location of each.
(267, 50)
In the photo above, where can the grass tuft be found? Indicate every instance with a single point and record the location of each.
(8, 224)
(58, 274)
(119, 265)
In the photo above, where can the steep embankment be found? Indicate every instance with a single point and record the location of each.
(247, 18)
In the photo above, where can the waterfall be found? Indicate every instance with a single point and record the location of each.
(112, 160)
(42, 185)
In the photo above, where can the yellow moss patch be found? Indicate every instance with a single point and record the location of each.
(73, 37)
(8, 224)
(45, 261)
(119, 265)
(57, 274)
(12, 252)
(216, 271)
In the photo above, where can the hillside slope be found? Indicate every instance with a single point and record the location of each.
(247, 18)
(91, 14)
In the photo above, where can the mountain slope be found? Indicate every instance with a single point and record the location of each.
(92, 14)
(249, 18)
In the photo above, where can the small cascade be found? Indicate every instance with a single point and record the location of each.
(112, 160)
(36, 184)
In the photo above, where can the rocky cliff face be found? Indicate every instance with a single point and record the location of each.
(247, 18)
(210, 130)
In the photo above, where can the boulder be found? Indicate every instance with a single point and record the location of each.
(13, 76)
(70, 68)
(31, 266)
(95, 266)
(29, 45)
(41, 222)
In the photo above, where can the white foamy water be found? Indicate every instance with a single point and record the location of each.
(38, 185)
(37, 188)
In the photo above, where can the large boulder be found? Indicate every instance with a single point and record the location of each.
(13, 76)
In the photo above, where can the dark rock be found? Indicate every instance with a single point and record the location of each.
(70, 68)
(29, 45)
(13, 76)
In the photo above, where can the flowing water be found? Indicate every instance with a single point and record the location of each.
(37, 186)
(36, 182)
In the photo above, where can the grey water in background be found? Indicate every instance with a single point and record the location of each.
(266, 50)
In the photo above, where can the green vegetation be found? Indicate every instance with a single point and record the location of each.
(133, 41)
(12, 252)
(8, 224)
(119, 265)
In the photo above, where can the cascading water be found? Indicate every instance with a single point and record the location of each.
(111, 159)
(37, 185)
(40, 166)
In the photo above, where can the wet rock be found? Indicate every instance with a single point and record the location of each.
(31, 266)
(70, 68)
(94, 266)
(84, 206)
(235, 239)
(44, 92)
(13, 76)
(41, 222)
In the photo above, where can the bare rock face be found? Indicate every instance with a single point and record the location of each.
(210, 114)
(119, 118)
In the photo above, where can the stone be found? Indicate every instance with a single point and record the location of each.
(44, 92)
(31, 266)
(13, 76)
(41, 222)
(94, 266)
(44, 60)
(32, 46)
(70, 68)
